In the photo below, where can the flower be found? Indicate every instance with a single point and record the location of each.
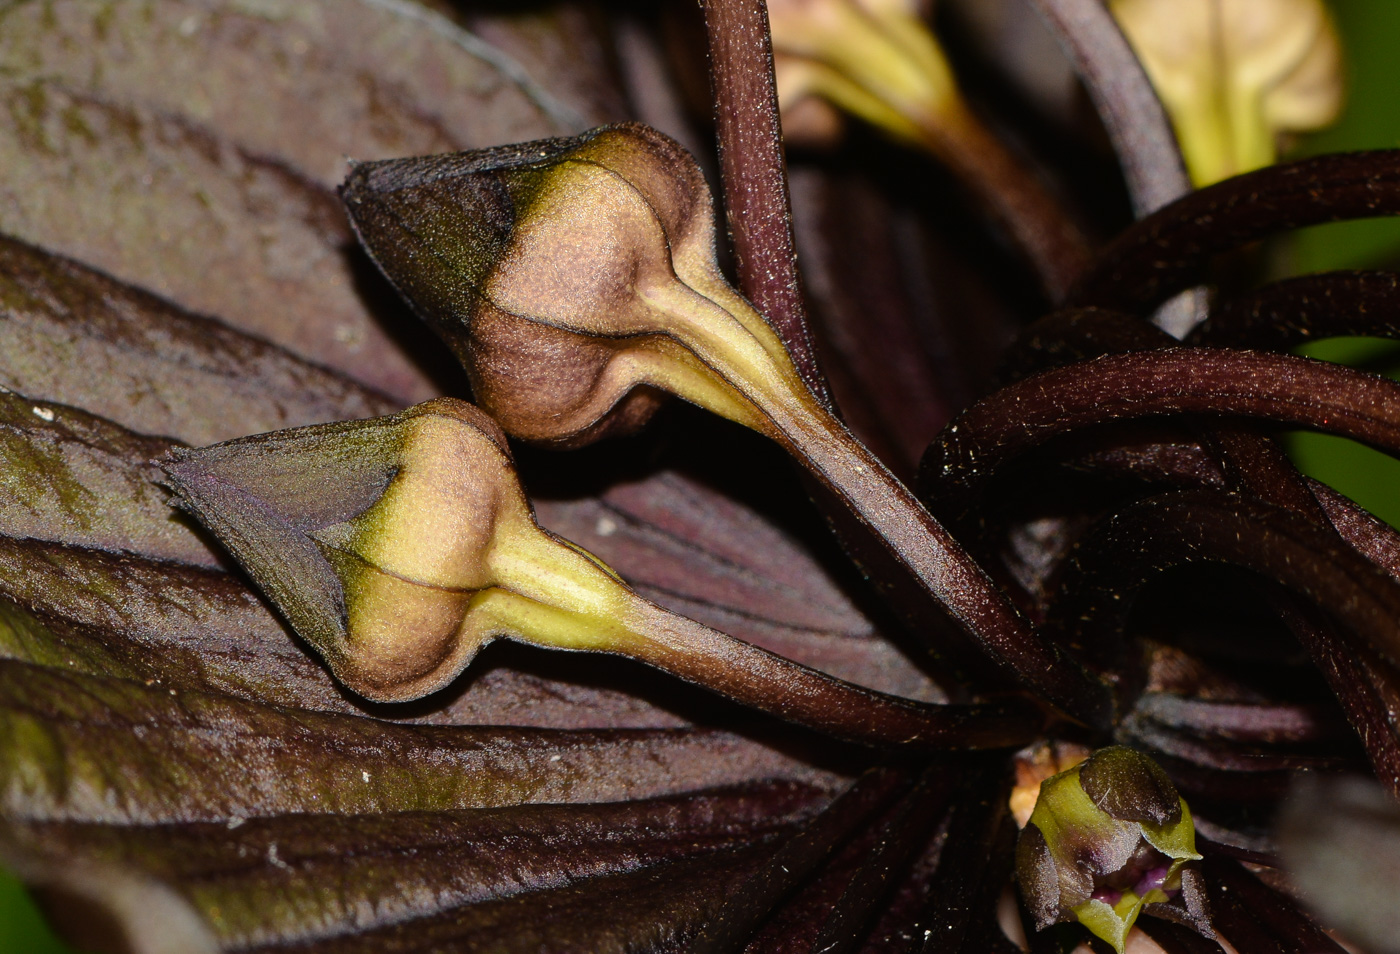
(1109, 838)
(1238, 75)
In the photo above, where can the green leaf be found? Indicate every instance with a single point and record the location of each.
(22, 928)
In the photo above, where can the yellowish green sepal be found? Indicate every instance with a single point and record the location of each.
(413, 541)
(1107, 838)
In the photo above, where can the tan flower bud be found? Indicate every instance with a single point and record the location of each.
(373, 538)
(398, 547)
(1236, 75)
(574, 278)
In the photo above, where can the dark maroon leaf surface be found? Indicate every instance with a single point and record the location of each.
(130, 143)
(70, 334)
(79, 479)
(177, 768)
(260, 879)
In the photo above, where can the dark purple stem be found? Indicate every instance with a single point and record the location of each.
(1127, 104)
(1257, 918)
(1250, 462)
(1291, 312)
(1278, 388)
(1137, 125)
(754, 173)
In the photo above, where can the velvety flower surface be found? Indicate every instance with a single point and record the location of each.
(1102, 547)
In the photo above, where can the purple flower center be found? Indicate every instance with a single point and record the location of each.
(1152, 880)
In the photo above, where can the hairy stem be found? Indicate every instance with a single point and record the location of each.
(755, 677)
(931, 554)
(754, 173)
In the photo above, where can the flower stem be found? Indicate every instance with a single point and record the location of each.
(557, 596)
(754, 172)
(931, 554)
(755, 677)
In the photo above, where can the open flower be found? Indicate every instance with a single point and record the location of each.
(1109, 838)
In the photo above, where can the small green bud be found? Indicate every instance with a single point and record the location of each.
(575, 279)
(1107, 840)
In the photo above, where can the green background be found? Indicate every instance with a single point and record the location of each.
(22, 929)
(1371, 33)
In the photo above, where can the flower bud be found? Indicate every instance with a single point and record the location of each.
(575, 279)
(1236, 75)
(375, 539)
(1108, 839)
(879, 60)
(873, 58)
(398, 547)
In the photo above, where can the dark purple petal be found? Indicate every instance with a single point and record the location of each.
(1177, 938)
(899, 840)
(973, 871)
(1340, 838)
(1247, 722)
(797, 859)
(1256, 918)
